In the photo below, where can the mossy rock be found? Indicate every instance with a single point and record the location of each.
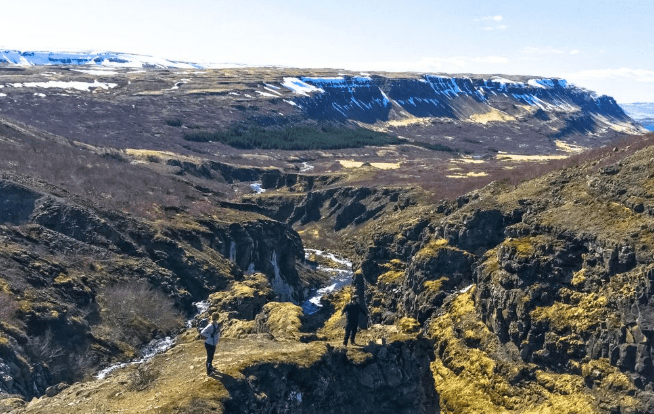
(473, 373)
(282, 320)
(244, 299)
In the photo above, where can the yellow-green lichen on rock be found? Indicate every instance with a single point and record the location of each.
(434, 285)
(282, 320)
(474, 373)
(391, 277)
(579, 313)
(430, 249)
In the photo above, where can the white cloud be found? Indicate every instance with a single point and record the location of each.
(498, 27)
(541, 50)
(496, 18)
(530, 59)
(574, 52)
(491, 59)
(636, 75)
(623, 84)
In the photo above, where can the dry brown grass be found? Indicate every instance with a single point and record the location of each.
(8, 308)
(132, 312)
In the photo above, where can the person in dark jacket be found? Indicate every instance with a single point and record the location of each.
(352, 311)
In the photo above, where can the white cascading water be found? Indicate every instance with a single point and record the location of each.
(232, 251)
(340, 278)
(279, 286)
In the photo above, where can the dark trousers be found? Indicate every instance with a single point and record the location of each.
(350, 329)
(211, 350)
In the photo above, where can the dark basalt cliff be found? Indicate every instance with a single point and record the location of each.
(371, 99)
(560, 271)
(567, 109)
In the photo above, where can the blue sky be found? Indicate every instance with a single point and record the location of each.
(605, 46)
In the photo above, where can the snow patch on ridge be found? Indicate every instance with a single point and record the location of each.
(270, 95)
(80, 86)
(300, 87)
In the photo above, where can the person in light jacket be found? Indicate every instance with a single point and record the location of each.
(212, 333)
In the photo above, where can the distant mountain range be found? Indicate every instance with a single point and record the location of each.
(484, 114)
(641, 112)
(110, 59)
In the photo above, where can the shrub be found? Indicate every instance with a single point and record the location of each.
(66, 363)
(8, 307)
(133, 312)
(174, 122)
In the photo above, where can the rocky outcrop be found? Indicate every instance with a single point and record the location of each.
(561, 301)
(478, 230)
(557, 277)
(386, 379)
(17, 203)
(347, 206)
(434, 272)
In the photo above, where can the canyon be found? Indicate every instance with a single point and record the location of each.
(498, 226)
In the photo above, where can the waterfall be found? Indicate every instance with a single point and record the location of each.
(279, 286)
(232, 251)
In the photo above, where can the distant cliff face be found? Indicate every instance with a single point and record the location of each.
(373, 99)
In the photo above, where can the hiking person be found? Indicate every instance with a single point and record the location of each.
(351, 311)
(212, 333)
(359, 285)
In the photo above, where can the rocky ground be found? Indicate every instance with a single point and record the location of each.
(267, 371)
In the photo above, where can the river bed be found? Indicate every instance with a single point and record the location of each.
(341, 276)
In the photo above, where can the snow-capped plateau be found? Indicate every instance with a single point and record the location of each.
(98, 59)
